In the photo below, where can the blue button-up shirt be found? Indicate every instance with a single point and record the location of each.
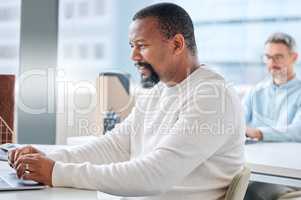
(275, 110)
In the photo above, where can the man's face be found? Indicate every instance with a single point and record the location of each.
(151, 51)
(279, 60)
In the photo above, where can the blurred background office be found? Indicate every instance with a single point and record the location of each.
(82, 38)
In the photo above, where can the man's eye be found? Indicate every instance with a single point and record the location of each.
(141, 46)
(279, 56)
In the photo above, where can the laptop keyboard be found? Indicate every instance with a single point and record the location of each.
(3, 183)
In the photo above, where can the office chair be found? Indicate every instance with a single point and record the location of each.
(291, 196)
(238, 186)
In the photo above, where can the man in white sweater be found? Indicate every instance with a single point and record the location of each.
(183, 139)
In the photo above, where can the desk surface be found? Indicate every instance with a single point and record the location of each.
(269, 162)
(280, 161)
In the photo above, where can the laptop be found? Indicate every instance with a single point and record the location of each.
(8, 177)
(4, 148)
(10, 181)
(251, 141)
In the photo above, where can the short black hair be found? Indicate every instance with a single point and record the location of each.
(172, 20)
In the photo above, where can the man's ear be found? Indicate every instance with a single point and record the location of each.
(295, 56)
(179, 44)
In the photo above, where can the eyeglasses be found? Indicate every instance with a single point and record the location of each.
(278, 58)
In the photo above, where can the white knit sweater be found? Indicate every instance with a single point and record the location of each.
(182, 142)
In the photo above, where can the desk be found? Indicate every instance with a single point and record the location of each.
(269, 162)
(277, 163)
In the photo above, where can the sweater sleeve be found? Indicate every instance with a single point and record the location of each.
(194, 138)
(113, 147)
(291, 133)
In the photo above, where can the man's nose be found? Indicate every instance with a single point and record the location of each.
(135, 55)
(269, 63)
(273, 60)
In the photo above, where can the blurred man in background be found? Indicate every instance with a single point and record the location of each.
(273, 107)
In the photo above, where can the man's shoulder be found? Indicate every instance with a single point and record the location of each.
(296, 90)
(298, 83)
(265, 84)
(210, 72)
(211, 82)
(205, 74)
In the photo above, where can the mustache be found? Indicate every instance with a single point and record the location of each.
(151, 80)
(144, 64)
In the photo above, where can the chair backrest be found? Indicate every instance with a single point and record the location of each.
(238, 186)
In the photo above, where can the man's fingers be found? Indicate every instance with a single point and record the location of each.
(26, 165)
(11, 155)
(26, 159)
(20, 170)
(31, 176)
(16, 153)
(35, 167)
(32, 171)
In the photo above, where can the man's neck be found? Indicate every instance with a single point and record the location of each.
(184, 72)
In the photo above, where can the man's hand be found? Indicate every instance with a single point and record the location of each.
(36, 167)
(253, 133)
(14, 155)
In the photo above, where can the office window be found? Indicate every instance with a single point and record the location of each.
(68, 51)
(98, 51)
(8, 13)
(83, 9)
(8, 51)
(9, 34)
(85, 38)
(9, 64)
(99, 7)
(232, 39)
(83, 51)
(69, 10)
